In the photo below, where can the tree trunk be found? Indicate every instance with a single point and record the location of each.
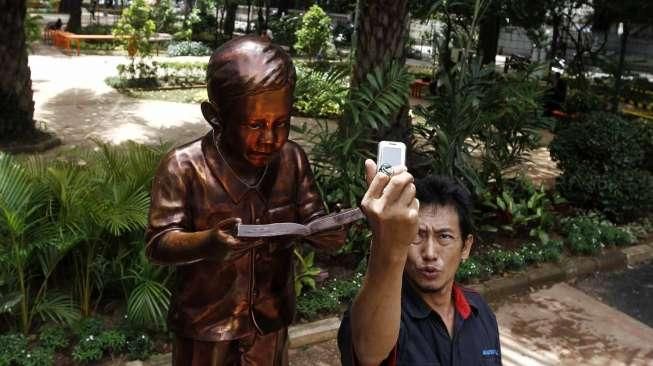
(489, 38)
(381, 32)
(75, 21)
(249, 12)
(65, 6)
(230, 18)
(16, 102)
(620, 68)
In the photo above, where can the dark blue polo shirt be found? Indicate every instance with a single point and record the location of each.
(423, 337)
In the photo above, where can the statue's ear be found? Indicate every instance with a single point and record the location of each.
(211, 115)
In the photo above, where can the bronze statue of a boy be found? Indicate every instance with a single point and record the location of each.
(234, 299)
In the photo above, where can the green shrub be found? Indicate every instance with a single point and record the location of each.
(583, 101)
(53, 338)
(314, 35)
(37, 356)
(88, 349)
(328, 298)
(136, 26)
(321, 93)
(139, 346)
(604, 162)
(549, 251)
(587, 235)
(284, 29)
(95, 342)
(188, 48)
(469, 269)
(13, 345)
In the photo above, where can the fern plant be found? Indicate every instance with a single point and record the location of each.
(31, 247)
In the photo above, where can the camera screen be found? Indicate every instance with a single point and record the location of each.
(392, 156)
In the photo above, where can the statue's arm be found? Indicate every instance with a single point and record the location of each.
(169, 236)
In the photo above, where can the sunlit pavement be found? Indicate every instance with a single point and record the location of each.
(563, 326)
(72, 100)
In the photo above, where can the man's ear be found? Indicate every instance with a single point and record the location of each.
(467, 246)
(212, 115)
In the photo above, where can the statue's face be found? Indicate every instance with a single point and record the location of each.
(260, 127)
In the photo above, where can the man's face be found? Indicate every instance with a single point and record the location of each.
(260, 127)
(438, 249)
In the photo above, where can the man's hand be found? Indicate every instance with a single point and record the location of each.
(391, 209)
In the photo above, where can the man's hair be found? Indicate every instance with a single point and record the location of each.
(247, 66)
(442, 191)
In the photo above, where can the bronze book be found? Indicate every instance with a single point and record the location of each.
(324, 223)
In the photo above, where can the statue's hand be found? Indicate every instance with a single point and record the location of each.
(228, 245)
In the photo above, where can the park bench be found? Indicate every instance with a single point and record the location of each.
(63, 39)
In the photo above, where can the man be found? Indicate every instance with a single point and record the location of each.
(409, 311)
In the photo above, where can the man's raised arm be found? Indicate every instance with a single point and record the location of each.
(392, 211)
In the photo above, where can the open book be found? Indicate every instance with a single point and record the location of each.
(324, 223)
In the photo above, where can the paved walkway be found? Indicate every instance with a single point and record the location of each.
(72, 99)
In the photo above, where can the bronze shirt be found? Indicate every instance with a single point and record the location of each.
(193, 190)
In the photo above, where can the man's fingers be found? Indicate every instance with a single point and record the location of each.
(407, 195)
(377, 186)
(370, 171)
(397, 184)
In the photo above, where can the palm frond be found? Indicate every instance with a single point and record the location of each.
(148, 304)
(58, 308)
(122, 207)
(17, 197)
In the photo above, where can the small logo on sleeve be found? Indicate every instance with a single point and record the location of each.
(490, 353)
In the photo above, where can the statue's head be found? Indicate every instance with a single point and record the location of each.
(250, 87)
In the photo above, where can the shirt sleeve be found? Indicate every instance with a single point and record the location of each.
(169, 206)
(346, 346)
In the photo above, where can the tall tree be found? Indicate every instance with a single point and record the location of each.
(16, 99)
(634, 17)
(381, 32)
(75, 21)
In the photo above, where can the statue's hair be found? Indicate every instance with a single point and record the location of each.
(247, 66)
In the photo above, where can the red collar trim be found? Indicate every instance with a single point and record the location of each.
(460, 302)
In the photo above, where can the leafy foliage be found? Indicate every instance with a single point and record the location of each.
(76, 213)
(284, 29)
(32, 28)
(135, 27)
(149, 298)
(314, 35)
(321, 93)
(328, 298)
(305, 271)
(188, 48)
(338, 153)
(587, 235)
(604, 159)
